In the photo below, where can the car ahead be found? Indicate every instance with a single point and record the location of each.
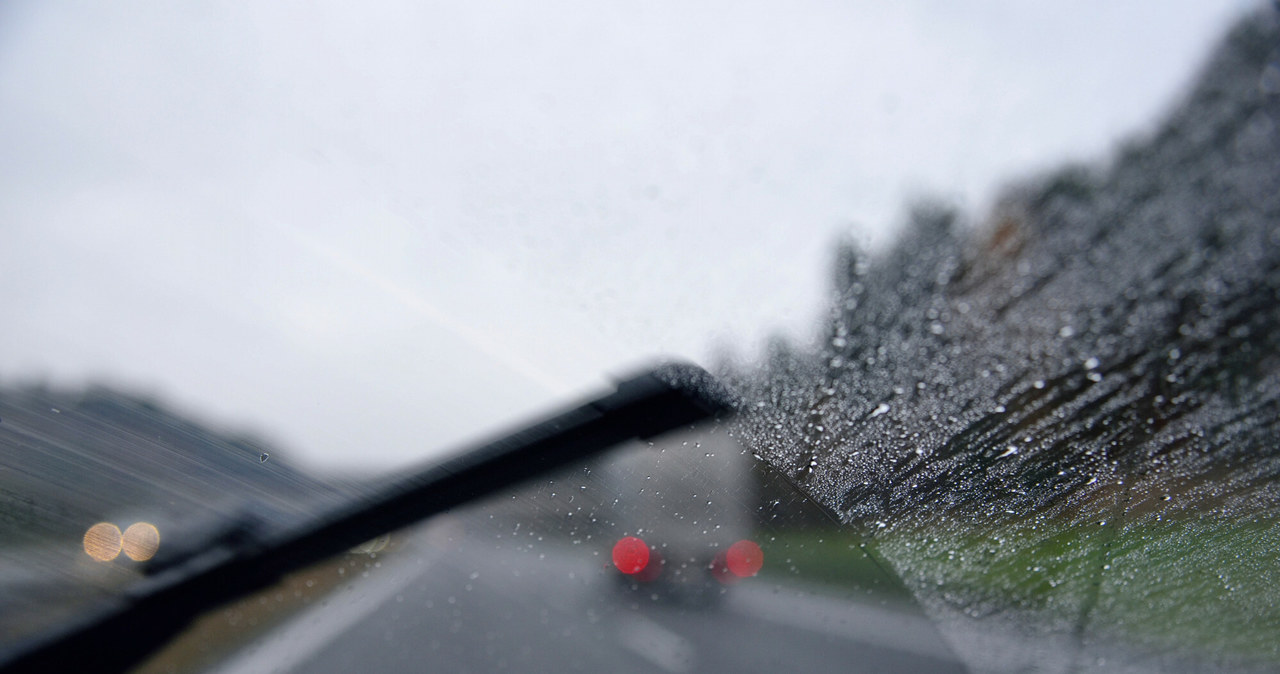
(678, 525)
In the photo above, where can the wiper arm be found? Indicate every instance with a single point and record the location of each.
(179, 589)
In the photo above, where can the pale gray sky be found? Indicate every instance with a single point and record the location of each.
(373, 230)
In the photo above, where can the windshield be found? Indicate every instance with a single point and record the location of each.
(262, 261)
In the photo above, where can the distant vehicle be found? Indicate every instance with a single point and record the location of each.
(680, 521)
(672, 516)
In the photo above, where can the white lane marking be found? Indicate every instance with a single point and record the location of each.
(844, 619)
(655, 643)
(297, 641)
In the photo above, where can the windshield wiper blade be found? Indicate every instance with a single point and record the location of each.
(181, 588)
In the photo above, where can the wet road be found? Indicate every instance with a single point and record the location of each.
(472, 606)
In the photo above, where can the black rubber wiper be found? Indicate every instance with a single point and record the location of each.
(179, 589)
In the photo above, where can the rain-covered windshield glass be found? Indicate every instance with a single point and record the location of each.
(261, 261)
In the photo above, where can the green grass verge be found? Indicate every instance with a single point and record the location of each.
(818, 556)
(1208, 586)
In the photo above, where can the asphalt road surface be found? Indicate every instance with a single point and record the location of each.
(452, 602)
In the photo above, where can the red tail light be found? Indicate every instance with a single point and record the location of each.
(742, 560)
(630, 555)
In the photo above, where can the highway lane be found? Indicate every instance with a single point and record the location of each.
(470, 603)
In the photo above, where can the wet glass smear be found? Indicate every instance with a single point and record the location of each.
(1059, 424)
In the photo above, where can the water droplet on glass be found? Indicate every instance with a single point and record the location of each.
(880, 409)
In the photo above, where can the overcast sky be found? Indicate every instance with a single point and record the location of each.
(369, 233)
